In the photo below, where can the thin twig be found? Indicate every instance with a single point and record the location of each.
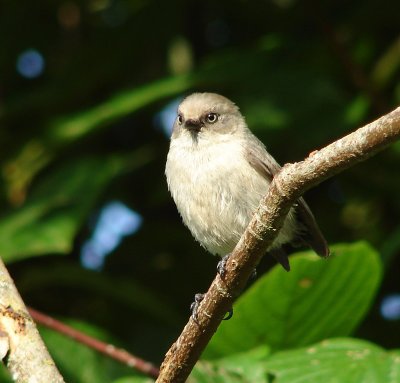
(110, 350)
(286, 188)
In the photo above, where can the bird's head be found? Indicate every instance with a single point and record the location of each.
(202, 115)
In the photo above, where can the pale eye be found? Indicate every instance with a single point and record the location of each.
(212, 117)
(180, 119)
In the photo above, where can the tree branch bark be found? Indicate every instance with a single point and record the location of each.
(23, 350)
(292, 181)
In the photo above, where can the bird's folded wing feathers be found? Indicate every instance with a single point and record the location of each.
(266, 165)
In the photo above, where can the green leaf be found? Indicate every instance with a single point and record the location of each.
(73, 127)
(316, 300)
(48, 221)
(243, 367)
(336, 361)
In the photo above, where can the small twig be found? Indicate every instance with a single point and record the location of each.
(286, 188)
(113, 352)
(28, 359)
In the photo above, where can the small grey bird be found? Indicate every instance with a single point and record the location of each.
(218, 171)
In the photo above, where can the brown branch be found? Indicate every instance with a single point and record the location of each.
(107, 349)
(28, 359)
(286, 188)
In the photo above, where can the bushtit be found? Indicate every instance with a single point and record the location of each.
(218, 171)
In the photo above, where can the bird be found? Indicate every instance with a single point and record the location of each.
(218, 171)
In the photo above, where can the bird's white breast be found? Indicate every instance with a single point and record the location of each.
(215, 189)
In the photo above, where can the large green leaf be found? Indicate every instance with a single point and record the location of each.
(340, 360)
(48, 221)
(243, 367)
(336, 361)
(316, 300)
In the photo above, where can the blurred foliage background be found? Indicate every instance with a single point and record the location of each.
(88, 92)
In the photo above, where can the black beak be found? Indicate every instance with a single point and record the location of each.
(193, 125)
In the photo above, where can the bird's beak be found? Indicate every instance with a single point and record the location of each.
(193, 125)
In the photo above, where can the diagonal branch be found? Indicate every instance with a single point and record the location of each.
(286, 188)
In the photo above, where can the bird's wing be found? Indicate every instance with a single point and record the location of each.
(265, 164)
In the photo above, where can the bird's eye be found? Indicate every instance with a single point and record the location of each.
(212, 117)
(180, 119)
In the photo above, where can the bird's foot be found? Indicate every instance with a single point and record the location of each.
(195, 306)
(221, 267)
(222, 264)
